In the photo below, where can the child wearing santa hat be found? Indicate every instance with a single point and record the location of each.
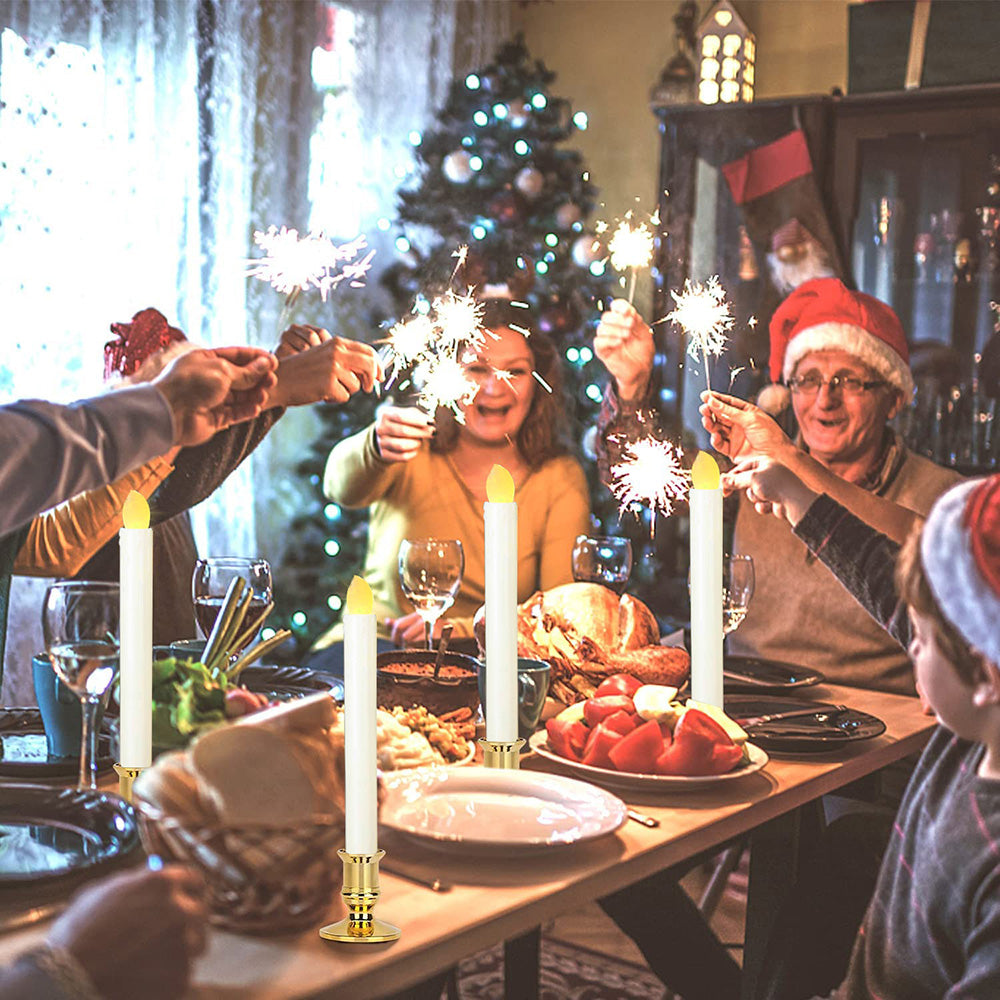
(932, 928)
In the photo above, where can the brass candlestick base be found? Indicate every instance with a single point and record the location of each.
(126, 777)
(502, 754)
(360, 892)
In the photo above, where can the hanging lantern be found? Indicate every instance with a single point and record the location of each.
(727, 52)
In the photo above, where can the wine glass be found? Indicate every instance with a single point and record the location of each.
(80, 625)
(430, 571)
(211, 581)
(737, 589)
(602, 559)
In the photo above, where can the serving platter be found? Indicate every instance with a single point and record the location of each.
(483, 810)
(634, 782)
(49, 833)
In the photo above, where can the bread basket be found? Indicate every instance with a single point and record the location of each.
(259, 879)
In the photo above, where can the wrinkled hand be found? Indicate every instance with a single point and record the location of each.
(770, 487)
(332, 370)
(137, 934)
(624, 343)
(409, 630)
(400, 430)
(207, 390)
(300, 337)
(739, 429)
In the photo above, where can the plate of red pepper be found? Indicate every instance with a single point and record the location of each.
(630, 735)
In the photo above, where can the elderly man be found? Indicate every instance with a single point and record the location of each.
(843, 356)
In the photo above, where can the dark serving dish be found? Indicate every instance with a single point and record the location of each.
(406, 678)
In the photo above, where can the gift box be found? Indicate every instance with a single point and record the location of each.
(901, 44)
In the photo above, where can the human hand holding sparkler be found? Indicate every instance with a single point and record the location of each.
(624, 343)
(739, 430)
(332, 371)
(771, 487)
(400, 431)
(300, 337)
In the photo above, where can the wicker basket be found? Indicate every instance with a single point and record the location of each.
(259, 879)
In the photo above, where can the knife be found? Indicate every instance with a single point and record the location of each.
(435, 885)
(817, 710)
(32, 916)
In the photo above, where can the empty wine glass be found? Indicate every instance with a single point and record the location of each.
(602, 559)
(211, 581)
(80, 625)
(737, 589)
(430, 572)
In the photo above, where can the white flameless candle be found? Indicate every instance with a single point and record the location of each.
(706, 581)
(135, 542)
(500, 517)
(360, 753)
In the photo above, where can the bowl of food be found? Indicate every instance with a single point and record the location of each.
(406, 678)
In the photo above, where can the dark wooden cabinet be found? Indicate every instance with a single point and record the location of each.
(911, 186)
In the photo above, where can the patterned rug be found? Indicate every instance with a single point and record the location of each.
(568, 972)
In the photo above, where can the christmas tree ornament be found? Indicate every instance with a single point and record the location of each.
(517, 113)
(506, 207)
(529, 182)
(586, 249)
(566, 214)
(457, 167)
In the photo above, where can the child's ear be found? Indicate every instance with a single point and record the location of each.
(986, 690)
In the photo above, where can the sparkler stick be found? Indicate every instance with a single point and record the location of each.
(702, 312)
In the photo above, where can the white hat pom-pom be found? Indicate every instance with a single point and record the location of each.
(774, 398)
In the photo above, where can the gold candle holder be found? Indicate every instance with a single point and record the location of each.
(502, 753)
(126, 778)
(360, 892)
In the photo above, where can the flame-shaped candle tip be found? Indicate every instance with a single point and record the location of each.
(499, 485)
(705, 472)
(359, 598)
(135, 511)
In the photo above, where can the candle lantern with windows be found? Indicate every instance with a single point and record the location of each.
(727, 53)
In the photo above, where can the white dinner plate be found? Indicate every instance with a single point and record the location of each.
(483, 809)
(633, 782)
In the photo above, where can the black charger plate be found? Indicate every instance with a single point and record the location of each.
(754, 675)
(51, 833)
(24, 755)
(824, 732)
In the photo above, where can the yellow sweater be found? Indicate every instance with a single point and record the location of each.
(426, 498)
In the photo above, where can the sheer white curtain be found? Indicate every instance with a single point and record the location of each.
(142, 142)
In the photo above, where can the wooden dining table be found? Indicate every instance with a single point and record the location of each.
(507, 896)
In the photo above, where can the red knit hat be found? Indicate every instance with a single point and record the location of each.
(960, 551)
(824, 315)
(148, 333)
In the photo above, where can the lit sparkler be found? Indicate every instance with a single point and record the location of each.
(650, 474)
(630, 249)
(458, 319)
(443, 382)
(702, 312)
(292, 263)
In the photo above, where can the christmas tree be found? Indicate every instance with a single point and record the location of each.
(494, 176)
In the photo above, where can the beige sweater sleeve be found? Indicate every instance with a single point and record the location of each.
(356, 475)
(61, 540)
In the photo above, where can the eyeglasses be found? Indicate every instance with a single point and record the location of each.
(850, 385)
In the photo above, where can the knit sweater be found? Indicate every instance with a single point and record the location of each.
(427, 498)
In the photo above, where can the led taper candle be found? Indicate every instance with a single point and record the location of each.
(136, 622)
(706, 581)
(500, 518)
(360, 750)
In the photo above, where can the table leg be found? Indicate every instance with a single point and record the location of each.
(521, 956)
(778, 850)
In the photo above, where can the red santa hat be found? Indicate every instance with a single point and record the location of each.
(960, 552)
(825, 315)
(148, 333)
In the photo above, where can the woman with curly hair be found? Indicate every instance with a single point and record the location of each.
(425, 477)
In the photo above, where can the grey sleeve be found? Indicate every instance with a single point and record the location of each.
(50, 452)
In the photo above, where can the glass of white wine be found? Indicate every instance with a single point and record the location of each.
(602, 559)
(80, 624)
(737, 589)
(430, 572)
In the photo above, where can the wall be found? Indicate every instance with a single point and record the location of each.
(609, 53)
